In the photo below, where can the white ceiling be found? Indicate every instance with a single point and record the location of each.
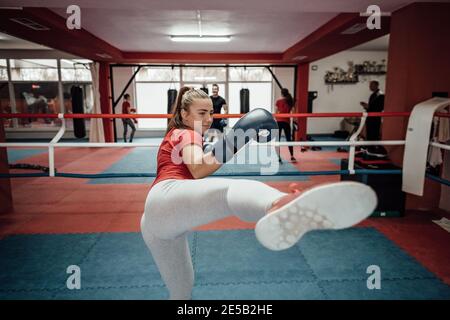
(149, 30)
(255, 25)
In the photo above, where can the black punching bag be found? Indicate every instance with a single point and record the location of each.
(245, 100)
(205, 89)
(171, 98)
(76, 94)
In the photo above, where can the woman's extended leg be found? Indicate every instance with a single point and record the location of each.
(174, 207)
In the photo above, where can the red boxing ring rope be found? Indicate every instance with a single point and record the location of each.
(162, 116)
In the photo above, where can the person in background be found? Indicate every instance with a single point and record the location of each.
(127, 109)
(218, 103)
(284, 105)
(373, 124)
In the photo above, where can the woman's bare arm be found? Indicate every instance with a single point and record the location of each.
(199, 164)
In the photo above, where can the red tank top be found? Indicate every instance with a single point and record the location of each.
(283, 107)
(170, 162)
(125, 106)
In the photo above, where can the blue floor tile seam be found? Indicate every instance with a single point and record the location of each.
(322, 290)
(88, 251)
(83, 288)
(31, 290)
(86, 288)
(194, 251)
(53, 234)
(382, 278)
(70, 233)
(206, 284)
(159, 286)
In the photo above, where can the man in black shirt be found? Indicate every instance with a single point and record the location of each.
(218, 103)
(376, 104)
(373, 124)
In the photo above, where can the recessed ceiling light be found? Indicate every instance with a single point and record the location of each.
(200, 38)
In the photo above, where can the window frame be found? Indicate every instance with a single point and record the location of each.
(225, 83)
(12, 96)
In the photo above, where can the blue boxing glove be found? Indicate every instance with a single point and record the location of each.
(223, 123)
(259, 125)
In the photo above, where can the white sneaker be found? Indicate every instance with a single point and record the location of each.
(332, 206)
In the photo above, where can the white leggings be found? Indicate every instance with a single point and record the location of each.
(175, 207)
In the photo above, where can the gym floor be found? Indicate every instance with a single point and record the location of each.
(94, 224)
(59, 58)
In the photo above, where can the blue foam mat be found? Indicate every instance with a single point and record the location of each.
(228, 264)
(15, 155)
(143, 160)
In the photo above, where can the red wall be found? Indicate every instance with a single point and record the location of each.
(418, 64)
(105, 100)
(302, 99)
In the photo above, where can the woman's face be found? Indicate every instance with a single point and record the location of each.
(200, 115)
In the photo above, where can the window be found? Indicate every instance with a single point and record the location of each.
(153, 82)
(160, 74)
(75, 70)
(36, 89)
(34, 70)
(76, 73)
(3, 70)
(250, 74)
(5, 106)
(222, 88)
(39, 97)
(260, 97)
(152, 98)
(204, 74)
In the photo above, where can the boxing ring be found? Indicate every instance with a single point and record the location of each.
(109, 249)
(431, 106)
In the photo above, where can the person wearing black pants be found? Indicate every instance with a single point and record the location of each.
(286, 127)
(127, 122)
(284, 105)
(373, 124)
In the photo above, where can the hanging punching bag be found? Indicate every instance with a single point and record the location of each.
(245, 100)
(205, 89)
(171, 98)
(79, 128)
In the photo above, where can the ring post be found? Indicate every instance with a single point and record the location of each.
(351, 154)
(51, 146)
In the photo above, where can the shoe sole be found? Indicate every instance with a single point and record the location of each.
(332, 206)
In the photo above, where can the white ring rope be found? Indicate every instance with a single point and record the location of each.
(352, 143)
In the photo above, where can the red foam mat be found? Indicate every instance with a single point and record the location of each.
(60, 205)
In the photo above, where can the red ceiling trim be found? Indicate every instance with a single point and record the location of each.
(328, 39)
(190, 57)
(78, 42)
(323, 42)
